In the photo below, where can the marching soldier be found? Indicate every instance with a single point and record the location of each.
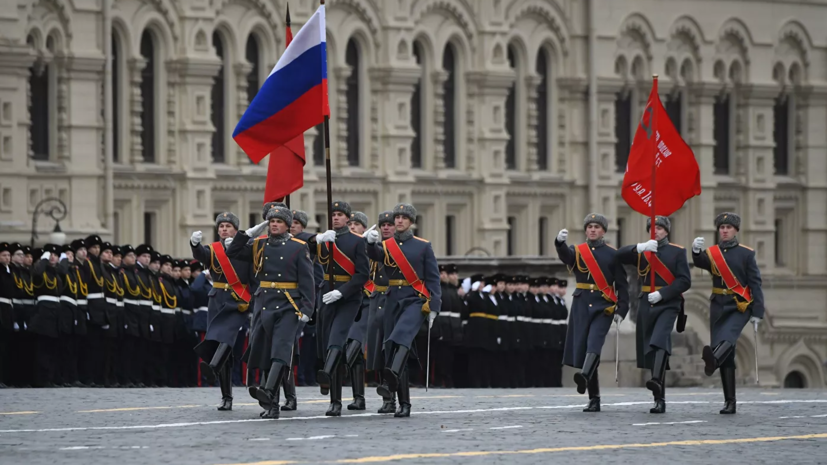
(600, 297)
(285, 297)
(413, 295)
(658, 308)
(376, 314)
(187, 360)
(6, 312)
(737, 297)
(355, 347)
(340, 305)
(48, 286)
(229, 300)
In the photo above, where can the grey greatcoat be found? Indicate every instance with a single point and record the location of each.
(726, 321)
(376, 318)
(655, 322)
(224, 318)
(285, 272)
(591, 314)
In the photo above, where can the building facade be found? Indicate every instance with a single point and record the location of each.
(503, 121)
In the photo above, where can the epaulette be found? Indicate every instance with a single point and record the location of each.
(676, 245)
(748, 248)
(298, 240)
(356, 234)
(420, 239)
(609, 246)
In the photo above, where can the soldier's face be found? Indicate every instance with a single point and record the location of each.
(510, 288)
(277, 226)
(555, 289)
(523, 287)
(129, 259)
(402, 223)
(544, 289)
(594, 231)
(176, 273)
(339, 220)
(660, 233)
(186, 273)
(561, 291)
(443, 277)
(500, 286)
(18, 257)
(196, 273)
(387, 230)
(226, 230)
(5, 258)
(117, 260)
(296, 227)
(155, 266)
(144, 259)
(453, 278)
(81, 254)
(70, 255)
(54, 259)
(27, 260)
(726, 232)
(166, 268)
(356, 227)
(106, 256)
(94, 250)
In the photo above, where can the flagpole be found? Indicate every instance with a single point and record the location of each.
(329, 188)
(289, 38)
(654, 173)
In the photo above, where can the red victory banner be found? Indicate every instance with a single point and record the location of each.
(658, 151)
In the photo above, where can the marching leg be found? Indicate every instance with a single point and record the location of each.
(335, 408)
(222, 354)
(594, 394)
(388, 403)
(715, 358)
(357, 381)
(393, 371)
(658, 382)
(225, 381)
(728, 382)
(404, 391)
(289, 386)
(269, 396)
(588, 371)
(324, 376)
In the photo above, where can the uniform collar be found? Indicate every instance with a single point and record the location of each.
(403, 236)
(728, 244)
(596, 243)
(278, 238)
(343, 230)
(663, 242)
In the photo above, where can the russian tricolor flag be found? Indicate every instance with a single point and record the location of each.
(293, 99)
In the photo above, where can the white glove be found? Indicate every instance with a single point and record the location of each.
(105, 327)
(256, 230)
(649, 246)
(618, 318)
(466, 285)
(562, 235)
(487, 288)
(372, 236)
(331, 297)
(151, 329)
(304, 318)
(195, 239)
(499, 341)
(431, 318)
(755, 320)
(16, 327)
(62, 256)
(228, 241)
(327, 236)
(697, 244)
(45, 255)
(654, 297)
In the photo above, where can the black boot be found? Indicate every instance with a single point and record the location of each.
(392, 372)
(219, 358)
(728, 381)
(658, 382)
(289, 385)
(252, 386)
(388, 403)
(225, 382)
(324, 376)
(269, 396)
(589, 370)
(404, 410)
(335, 408)
(594, 394)
(714, 358)
(357, 382)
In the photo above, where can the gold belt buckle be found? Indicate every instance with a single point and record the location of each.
(272, 284)
(726, 291)
(591, 286)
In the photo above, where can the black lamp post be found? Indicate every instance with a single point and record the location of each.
(56, 210)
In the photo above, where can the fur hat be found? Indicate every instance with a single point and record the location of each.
(92, 241)
(267, 208)
(227, 217)
(126, 249)
(661, 221)
(282, 213)
(405, 209)
(301, 217)
(343, 207)
(597, 219)
(728, 218)
(144, 248)
(359, 217)
(77, 244)
(385, 217)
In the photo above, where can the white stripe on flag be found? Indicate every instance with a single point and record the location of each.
(310, 35)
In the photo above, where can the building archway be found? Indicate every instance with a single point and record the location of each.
(795, 380)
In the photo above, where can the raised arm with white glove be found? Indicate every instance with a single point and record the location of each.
(327, 236)
(649, 246)
(372, 236)
(256, 230)
(697, 245)
(228, 241)
(562, 235)
(45, 255)
(195, 239)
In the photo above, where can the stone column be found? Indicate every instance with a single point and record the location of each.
(701, 211)
(811, 145)
(339, 157)
(394, 88)
(438, 79)
(136, 65)
(242, 70)
(531, 84)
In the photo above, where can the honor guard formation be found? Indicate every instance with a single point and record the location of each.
(366, 306)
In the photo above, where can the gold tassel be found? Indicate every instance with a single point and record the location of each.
(426, 307)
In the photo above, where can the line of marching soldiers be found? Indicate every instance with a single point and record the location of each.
(94, 314)
(508, 331)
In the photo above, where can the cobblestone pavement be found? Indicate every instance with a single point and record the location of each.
(181, 426)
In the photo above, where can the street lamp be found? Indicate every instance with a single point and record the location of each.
(56, 210)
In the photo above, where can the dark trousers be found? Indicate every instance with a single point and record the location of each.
(442, 360)
(46, 361)
(92, 356)
(5, 360)
(238, 352)
(307, 360)
(22, 360)
(479, 367)
(68, 357)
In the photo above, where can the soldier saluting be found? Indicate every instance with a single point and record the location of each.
(658, 308)
(736, 299)
(601, 296)
(414, 294)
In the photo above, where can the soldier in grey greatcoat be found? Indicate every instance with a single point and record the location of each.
(376, 314)
(355, 347)
(593, 307)
(658, 308)
(732, 304)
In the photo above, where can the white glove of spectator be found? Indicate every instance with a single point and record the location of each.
(151, 329)
(16, 327)
(562, 235)
(466, 285)
(697, 244)
(256, 230)
(327, 236)
(105, 327)
(372, 237)
(45, 255)
(331, 297)
(195, 239)
(654, 297)
(649, 246)
(499, 341)
(618, 318)
(62, 256)
(487, 288)
(227, 242)
(431, 318)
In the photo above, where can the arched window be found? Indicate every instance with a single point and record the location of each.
(623, 129)
(218, 103)
(116, 99)
(543, 127)
(721, 131)
(416, 111)
(352, 98)
(511, 116)
(781, 135)
(318, 146)
(450, 106)
(39, 108)
(674, 105)
(148, 97)
(252, 56)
